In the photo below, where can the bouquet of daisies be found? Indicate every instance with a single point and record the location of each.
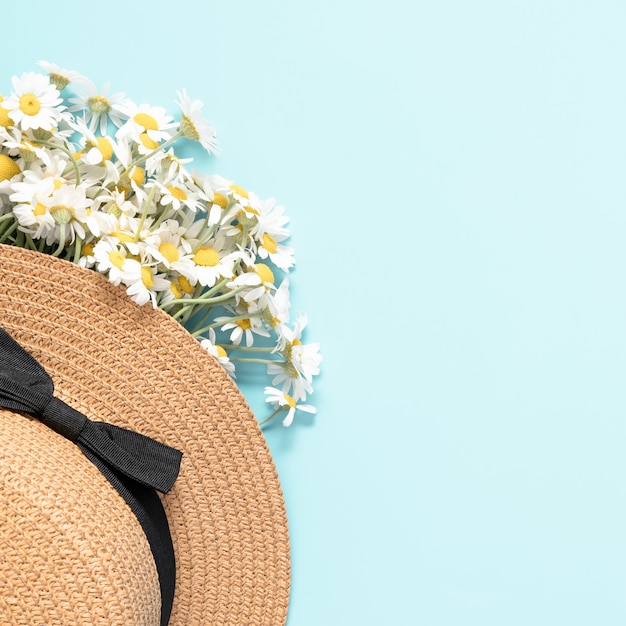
(94, 178)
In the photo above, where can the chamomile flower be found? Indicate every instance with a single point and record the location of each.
(279, 306)
(143, 284)
(109, 256)
(210, 345)
(95, 150)
(215, 193)
(244, 327)
(147, 126)
(177, 195)
(167, 248)
(302, 361)
(98, 107)
(259, 279)
(193, 126)
(280, 255)
(68, 207)
(61, 77)
(279, 399)
(213, 262)
(34, 103)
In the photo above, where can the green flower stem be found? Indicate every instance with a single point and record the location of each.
(19, 239)
(252, 360)
(29, 242)
(206, 300)
(9, 232)
(233, 348)
(280, 409)
(5, 221)
(61, 245)
(144, 213)
(55, 146)
(77, 249)
(173, 139)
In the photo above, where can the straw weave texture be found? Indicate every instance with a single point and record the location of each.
(71, 552)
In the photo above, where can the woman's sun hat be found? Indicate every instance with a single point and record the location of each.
(74, 550)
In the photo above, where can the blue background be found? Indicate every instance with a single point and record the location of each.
(454, 174)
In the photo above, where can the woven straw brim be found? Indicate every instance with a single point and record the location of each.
(140, 369)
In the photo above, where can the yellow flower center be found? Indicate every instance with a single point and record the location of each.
(148, 142)
(264, 272)
(39, 209)
(240, 191)
(8, 167)
(5, 120)
(185, 285)
(117, 258)
(87, 249)
(99, 105)
(221, 353)
(220, 200)
(122, 237)
(206, 257)
(188, 128)
(296, 342)
(169, 251)
(146, 277)
(58, 80)
(290, 401)
(105, 147)
(244, 324)
(58, 183)
(175, 289)
(269, 243)
(29, 104)
(138, 175)
(147, 121)
(178, 193)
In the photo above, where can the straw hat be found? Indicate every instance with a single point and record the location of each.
(72, 551)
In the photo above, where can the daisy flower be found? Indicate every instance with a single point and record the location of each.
(34, 103)
(260, 280)
(210, 345)
(142, 282)
(61, 77)
(213, 262)
(147, 126)
(176, 194)
(301, 363)
(168, 248)
(68, 207)
(109, 256)
(280, 255)
(244, 328)
(270, 219)
(193, 126)
(215, 190)
(99, 107)
(279, 304)
(280, 400)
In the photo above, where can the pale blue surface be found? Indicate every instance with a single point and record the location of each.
(454, 172)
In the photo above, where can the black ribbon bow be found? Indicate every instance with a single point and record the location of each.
(133, 463)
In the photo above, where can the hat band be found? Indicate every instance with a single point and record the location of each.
(134, 464)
